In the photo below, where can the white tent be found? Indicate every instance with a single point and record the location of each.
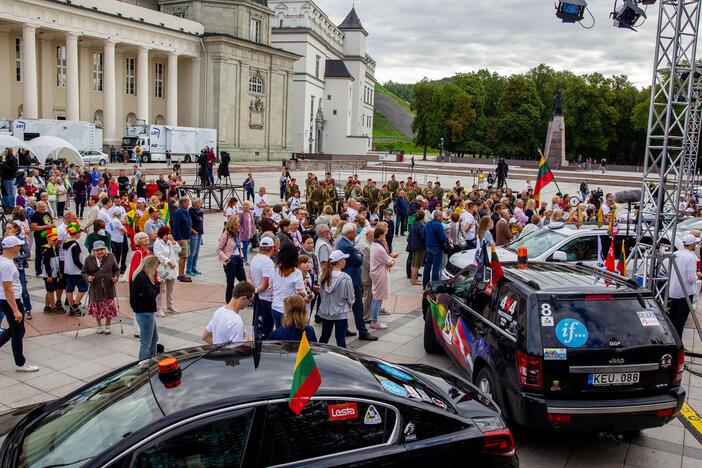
(45, 147)
(8, 141)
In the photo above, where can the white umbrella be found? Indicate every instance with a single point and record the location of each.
(8, 141)
(55, 148)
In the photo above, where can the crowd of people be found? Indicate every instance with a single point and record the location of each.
(322, 255)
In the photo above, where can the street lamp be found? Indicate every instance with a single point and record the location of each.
(442, 150)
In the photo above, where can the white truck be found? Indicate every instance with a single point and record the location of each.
(85, 136)
(184, 143)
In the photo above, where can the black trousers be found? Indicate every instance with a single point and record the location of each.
(679, 311)
(38, 250)
(14, 332)
(400, 224)
(234, 271)
(121, 249)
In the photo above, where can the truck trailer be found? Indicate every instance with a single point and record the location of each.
(184, 143)
(85, 136)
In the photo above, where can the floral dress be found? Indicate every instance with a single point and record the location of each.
(102, 293)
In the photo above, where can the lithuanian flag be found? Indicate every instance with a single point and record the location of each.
(439, 313)
(495, 265)
(600, 217)
(543, 178)
(306, 378)
(621, 262)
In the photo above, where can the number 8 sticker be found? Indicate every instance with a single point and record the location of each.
(546, 315)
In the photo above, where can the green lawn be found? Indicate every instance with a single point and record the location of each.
(383, 128)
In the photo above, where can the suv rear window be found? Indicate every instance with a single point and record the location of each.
(597, 322)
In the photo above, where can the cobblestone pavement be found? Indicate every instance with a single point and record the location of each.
(71, 354)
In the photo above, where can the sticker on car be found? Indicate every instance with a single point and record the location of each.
(395, 372)
(571, 333)
(648, 318)
(372, 416)
(343, 411)
(394, 388)
(555, 354)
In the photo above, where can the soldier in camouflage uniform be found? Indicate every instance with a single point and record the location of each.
(317, 199)
(366, 193)
(330, 194)
(385, 199)
(393, 186)
(309, 185)
(348, 187)
(413, 191)
(291, 188)
(374, 193)
(439, 192)
(428, 188)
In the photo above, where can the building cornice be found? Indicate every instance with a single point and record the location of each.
(209, 37)
(306, 30)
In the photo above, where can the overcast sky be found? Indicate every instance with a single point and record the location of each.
(412, 39)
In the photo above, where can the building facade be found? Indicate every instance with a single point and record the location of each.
(334, 84)
(188, 63)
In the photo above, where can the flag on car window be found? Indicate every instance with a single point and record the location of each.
(543, 178)
(600, 217)
(306, 378)
(621, 264)
(496, 266)
(609, 262)
(438, 312)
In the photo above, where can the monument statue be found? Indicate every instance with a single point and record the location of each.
(557, 107)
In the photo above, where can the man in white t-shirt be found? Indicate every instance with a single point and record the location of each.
(352, 210)
(226, 325)
(468, 224)
(104, 213)
(260, 202)
(11, 302)
(262, 268)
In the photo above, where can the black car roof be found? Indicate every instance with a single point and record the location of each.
(237, 373)
(567, 279)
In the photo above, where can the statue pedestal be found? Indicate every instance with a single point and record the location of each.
(555, 149)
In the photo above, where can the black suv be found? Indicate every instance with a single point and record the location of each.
(561, 346)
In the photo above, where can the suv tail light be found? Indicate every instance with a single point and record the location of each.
(530, 370)
(679, 367)
(499, 442)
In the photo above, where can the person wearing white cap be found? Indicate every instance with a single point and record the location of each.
(686, 261)
(337, 298)
(262, 268)
(11, 302)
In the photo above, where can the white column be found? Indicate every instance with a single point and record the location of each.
(195, 93)
(48, 78)
(30, 104)
(172, 91)
(143, 85)
(109, 104)
(72, 78)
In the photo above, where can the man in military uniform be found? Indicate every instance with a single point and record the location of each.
(356, 192)
(291, 188)
(439, 193)
(328, 177)
(412, 191)
(427, 189)
(385, 199)
(309, 185)
(330, 194)
(393, 186)
(348, 187)
(367, 195)
(374, 193)
(401, 189)
(317, 199)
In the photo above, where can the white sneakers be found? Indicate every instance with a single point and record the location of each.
(26, 368)
(161, 313)
(378, 326)
(106, 330)
(99, 330)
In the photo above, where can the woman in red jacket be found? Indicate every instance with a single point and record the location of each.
(142, 251)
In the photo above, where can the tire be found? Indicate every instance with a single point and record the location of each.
(187, 158)
(146, 157)
(485, 382)
(431, 345)
(102, 162)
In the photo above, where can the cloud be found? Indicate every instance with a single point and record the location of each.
(412, 39)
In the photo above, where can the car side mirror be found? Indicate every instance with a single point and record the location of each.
(441, 287)
(559, 256)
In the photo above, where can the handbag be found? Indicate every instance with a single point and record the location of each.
(446, 246)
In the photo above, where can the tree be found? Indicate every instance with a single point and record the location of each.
(454, 114)
(520, 109)
(423, 126)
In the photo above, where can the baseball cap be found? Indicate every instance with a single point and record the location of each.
(689, 239)
(11, 241)
(337, 255)
(266, 242)
(98, 245)
(141, 200)
(512, 220)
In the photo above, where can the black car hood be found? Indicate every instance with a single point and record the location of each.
(11, 418)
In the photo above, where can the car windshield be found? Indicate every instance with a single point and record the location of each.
(91, 421)
(591, 323)
(538, 242)
(691, 224)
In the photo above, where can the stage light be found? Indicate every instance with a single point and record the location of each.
(627, 15)
(647, 2)
(571, 11)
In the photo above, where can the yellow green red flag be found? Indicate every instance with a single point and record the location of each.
(306, 378)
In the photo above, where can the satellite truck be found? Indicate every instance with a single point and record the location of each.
(85, 136)
(184, 143)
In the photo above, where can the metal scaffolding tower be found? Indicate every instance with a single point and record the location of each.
(693, 138)
(666, 162)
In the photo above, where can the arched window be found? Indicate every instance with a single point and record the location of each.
(256, 85)
(131, 119)
(160, 120)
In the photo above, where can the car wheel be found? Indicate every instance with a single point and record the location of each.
(102, 162)
(146, 158)
(431, 344)
(187, 158)
(486, 383)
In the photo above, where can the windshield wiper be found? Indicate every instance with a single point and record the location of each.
(68, 463)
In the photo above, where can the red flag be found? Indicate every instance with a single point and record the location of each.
(621, 262)
(496, 266)
(609, 262)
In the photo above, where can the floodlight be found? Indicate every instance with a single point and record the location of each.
(627, 14)
(647, 2)
(571, 11)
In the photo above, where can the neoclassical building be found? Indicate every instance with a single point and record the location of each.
(333, 89)
(199, 63)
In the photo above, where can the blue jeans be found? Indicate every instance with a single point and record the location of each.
(26, 302)
(339, 327)
(195, 242)
(245, 248)
(8, 201)
(432, 265)
(148, 334)
(278, 319)
(14, 331)
(210, 175)
(375, 309)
